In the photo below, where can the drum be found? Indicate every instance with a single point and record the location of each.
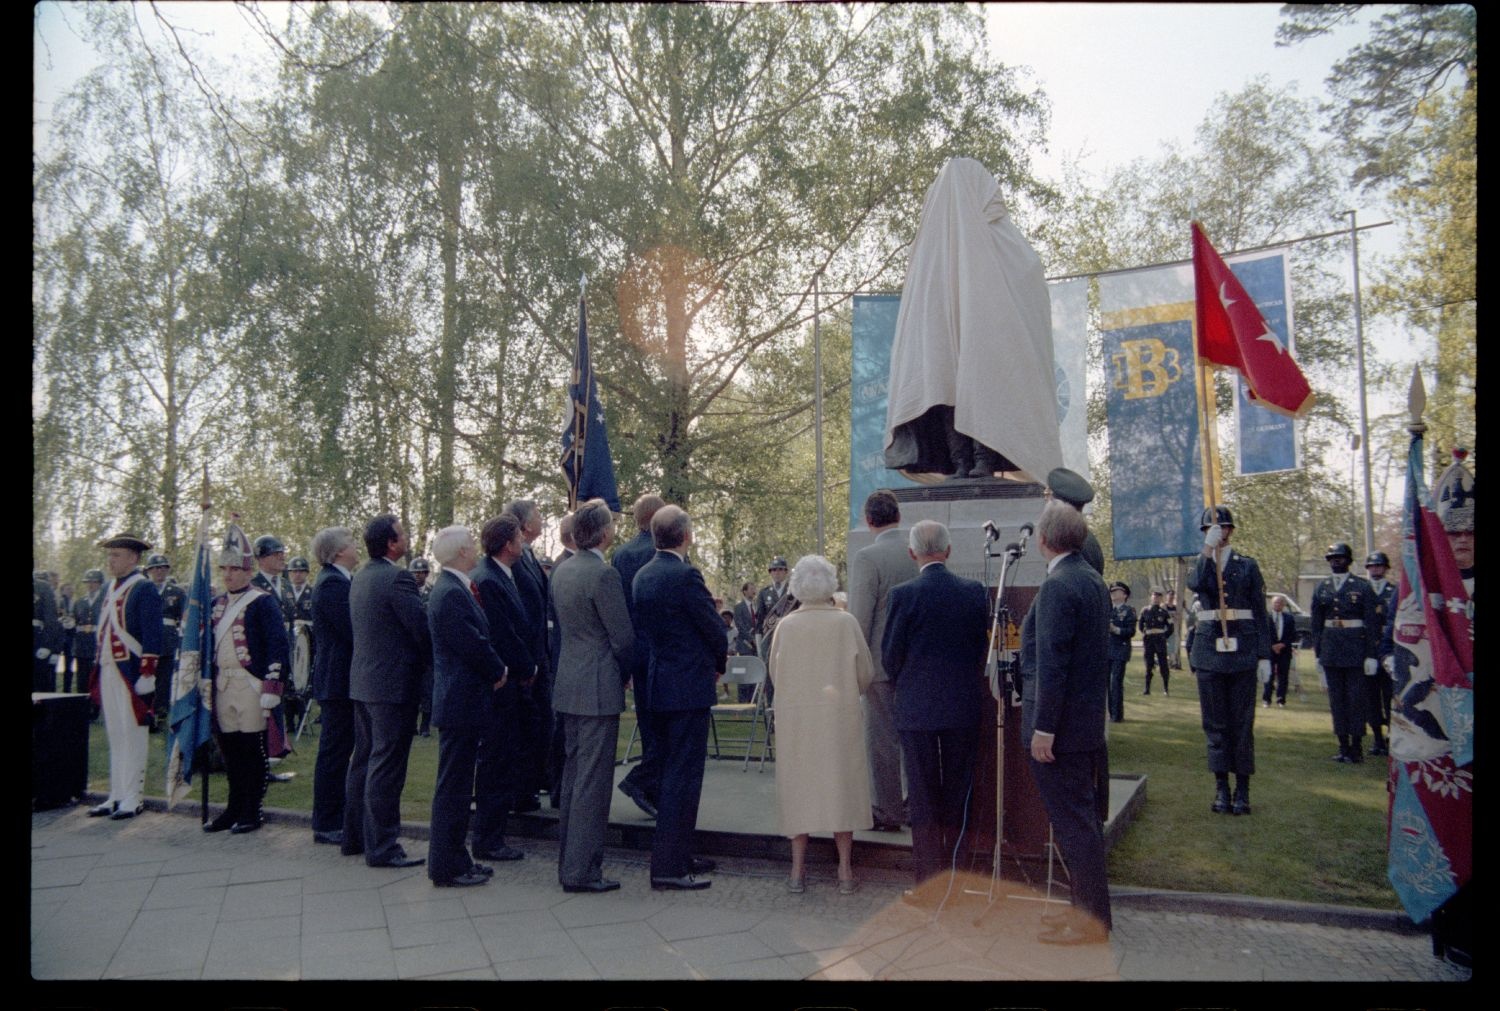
(302, 659)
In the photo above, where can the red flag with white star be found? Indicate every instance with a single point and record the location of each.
(1232, 332)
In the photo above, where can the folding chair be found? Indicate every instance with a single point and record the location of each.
(744, 670)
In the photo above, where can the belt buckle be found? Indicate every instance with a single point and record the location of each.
(1227, 644)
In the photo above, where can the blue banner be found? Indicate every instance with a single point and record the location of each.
(586, 462)
(1155, 477)
(1266, 440)
(874, 329)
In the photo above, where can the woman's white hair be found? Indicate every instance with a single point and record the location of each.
(814, 579)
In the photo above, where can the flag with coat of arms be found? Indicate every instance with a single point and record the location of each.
(189, 721)
(585, 445)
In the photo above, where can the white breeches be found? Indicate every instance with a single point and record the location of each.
(127, 739)
(237, 702)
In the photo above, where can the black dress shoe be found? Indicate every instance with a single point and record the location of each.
(501, 854)
(1221, 799)
(461, 881)
(122, 813)
(601, 885)
(686, 883)
(219, 824)
(637, 795)
(1070, 934)
(333, 838)
(526, 805)
(241, 827)
(351, 851)
(109, 807)
(484, 869)
(701, 865)
(885, 826)
(400, 860)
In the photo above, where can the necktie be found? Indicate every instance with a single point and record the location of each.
(474, 589)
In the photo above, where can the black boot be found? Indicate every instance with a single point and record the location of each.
(1379, 748)
(1343, 755)
(1221, 795)
(1241, 795)
(1356, 750)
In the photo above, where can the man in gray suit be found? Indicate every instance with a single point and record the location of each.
(589, 694)
(872, 572)
(391, 647)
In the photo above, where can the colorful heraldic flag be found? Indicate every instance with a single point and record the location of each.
(1233, 333)
(1431, 782)
(189, 721)
(585, 458)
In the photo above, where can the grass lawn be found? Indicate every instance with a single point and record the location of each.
(1317, 833)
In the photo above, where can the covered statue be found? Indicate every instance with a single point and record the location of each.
(972, 383)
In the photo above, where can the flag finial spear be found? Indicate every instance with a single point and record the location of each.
(583, 283)
(1416, 403)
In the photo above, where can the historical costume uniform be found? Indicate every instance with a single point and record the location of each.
(248, 661)
(1345, 638)
(300, 651)
(1156, 625)
(1229, 648)
(127, 645)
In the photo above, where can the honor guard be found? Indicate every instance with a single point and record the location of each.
(303, 643)
(270, 563)
(1121, 632)
(420, 570)
(173, 606)
(1156, 625)
(1067, 486)
(85, 620)
(769, 597)
(1376, 566)
(1345, 640)
(1230, 649)
(46, 634)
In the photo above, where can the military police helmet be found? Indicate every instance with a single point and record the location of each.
(94, 576)
(1339, 550)
(421, 565)
(1377, 558)
(268, 545)
(298, 564)
(1216, 516)
(777, 563)
(158, 562)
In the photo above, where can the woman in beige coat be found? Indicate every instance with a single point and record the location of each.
(820, 666)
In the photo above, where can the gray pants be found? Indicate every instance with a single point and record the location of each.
(883, 748)
(587, 779)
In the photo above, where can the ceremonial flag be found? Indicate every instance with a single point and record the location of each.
(1232, 333)
(189, 721)
(585, 458)
(1431, 779)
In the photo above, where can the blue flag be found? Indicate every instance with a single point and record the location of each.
(585, 458)
(189, 720)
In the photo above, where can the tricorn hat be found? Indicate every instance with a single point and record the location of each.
(128, 541)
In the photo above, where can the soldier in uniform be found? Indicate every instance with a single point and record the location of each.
(767, 598)
(173, 605)
(1376, 566)
(46, 634)
(302, 643)
(270, 562)
(1067, 486)
(1230, 649)
(421, 571)
(1171, 608)
(1156, 624)
(1121, 632)
(65, 635)
(1345, 639)
(85, 620)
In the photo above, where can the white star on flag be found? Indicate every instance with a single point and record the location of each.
(1275, 341)
(1224, 298)
(1455, 605)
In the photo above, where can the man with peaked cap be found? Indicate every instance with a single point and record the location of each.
(127, 647)
(1376, 567)
(1156, 625)
(1121, 632)
(1067, 486)
(769, 596)
(248, 663)
(299, 674)
(85, 620)
(1345, 639)
(46, 634)
(1231, 648)
(173, 605)
(270, 564)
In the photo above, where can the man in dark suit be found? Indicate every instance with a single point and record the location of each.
(1283, 641)
(685, 638)
(933, 648)
(534, 751)
(874, 571)
(1064, 681)
(466, 674)
(641, 784)
(337, 553)
(1067, 486)
(497, 777)
(589, 694)
(391, 644)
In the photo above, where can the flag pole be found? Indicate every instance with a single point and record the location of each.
(579, 416)
(1208, 434)
(201, 759)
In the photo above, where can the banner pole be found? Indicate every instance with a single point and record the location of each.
(1208, 432)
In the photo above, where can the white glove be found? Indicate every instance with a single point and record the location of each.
(269, 701)
(1263, 671)
(206, 693)
(145, 686)
(1214, 537)
(1389, 663)
(1371, 666)
(43, 653)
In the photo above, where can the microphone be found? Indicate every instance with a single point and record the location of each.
(991, 532)
(1026, 531)
(1013, 549)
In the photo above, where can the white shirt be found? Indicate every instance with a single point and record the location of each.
(1053, 564)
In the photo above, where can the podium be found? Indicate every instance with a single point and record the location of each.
(59, 748)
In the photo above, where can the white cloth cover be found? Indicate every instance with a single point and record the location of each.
(975, 326)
